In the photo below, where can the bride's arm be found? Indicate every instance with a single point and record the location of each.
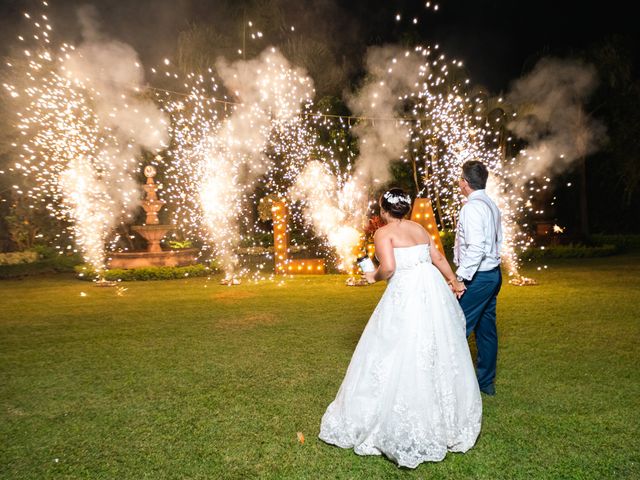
(441, 263)
(384, 253)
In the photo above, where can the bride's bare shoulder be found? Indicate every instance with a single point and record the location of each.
(382, 231)
(419, 230)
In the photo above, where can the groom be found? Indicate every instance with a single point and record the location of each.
(477, 256)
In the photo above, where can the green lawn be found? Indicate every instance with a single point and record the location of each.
(189, 379)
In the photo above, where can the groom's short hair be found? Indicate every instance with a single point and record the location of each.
(476, 174)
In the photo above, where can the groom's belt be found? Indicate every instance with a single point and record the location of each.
(490, 270)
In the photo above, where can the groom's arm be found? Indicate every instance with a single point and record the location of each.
(474, 241)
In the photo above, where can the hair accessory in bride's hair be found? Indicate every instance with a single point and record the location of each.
(393, 199)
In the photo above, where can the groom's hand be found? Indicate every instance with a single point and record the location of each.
(458, 288)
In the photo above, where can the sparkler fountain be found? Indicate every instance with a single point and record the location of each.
(83, 123)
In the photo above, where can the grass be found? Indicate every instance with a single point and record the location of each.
(189, 379)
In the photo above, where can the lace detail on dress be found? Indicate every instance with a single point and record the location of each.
(410, 391)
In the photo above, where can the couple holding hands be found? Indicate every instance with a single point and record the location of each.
(410, 391)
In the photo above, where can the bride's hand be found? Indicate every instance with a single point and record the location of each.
(458, 288)
(370, 277)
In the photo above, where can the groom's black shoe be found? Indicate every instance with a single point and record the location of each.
(488, 390)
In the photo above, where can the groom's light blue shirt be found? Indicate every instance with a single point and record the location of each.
(478, 236)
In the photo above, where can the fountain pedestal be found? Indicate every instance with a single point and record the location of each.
(153, 233)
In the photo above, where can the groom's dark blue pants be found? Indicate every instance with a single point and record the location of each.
(479, 306)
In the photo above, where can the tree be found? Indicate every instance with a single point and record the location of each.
(615, 172)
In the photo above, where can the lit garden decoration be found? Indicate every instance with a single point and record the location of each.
(284, 265)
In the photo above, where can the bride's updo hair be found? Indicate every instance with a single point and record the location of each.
(396, 202)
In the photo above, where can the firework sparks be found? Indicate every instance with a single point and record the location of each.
(83, 130)
(220, 159)
(333, 208)
(447, 129)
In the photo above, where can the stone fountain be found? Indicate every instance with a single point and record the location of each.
(153, 233)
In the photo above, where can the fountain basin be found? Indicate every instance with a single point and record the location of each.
(165, 258)
(152, 234)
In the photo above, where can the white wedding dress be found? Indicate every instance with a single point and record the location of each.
(410, 391)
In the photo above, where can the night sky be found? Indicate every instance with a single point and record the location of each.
(498, 40)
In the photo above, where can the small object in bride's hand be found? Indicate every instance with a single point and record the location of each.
(366, 264)
(300, 437)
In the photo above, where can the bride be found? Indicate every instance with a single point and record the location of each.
(410, 391)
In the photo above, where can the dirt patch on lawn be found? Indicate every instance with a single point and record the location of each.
(231, 294)
(248, 321)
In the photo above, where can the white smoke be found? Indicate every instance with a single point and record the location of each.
(112, 69)
(271, 94)
(336, 207)
(328, 207)
(392, 73)
(552, 116)
(270, 81)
